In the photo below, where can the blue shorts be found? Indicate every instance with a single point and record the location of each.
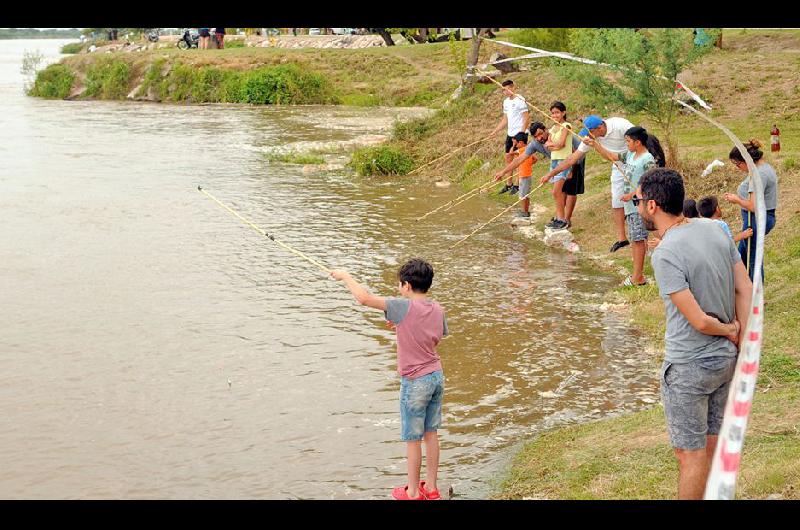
(420, 405)
(558, 176)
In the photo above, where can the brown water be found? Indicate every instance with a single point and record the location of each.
(153, 346)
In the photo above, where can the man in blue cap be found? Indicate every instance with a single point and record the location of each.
(611, 135)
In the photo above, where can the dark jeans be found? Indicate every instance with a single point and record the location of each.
(748, 221)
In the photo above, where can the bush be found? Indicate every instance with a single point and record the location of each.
(380, 160)
(283, 84)
(108, 79)
(294, 157)
(55, 81)
(72, 47)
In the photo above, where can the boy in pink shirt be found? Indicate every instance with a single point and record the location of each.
(420, 325)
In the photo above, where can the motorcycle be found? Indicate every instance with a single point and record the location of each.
(153, 35)
(190, 39)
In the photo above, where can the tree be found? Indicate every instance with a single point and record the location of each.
(644, 67)
(384, 33)
(472, 59)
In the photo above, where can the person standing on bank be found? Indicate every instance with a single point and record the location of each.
(219, 34)
(574, 185)
(611, 135)
(205, 36)
(516, 118)
(707, 296)
(746, 199)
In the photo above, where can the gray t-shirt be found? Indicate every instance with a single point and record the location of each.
(769, 179)
(536, 147)
(698, 256)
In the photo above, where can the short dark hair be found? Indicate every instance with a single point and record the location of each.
(690, 209)
(707, 206)
(665, 186)
(508, 82)
(418, 273)
(560, 106)
(521, 136)
(535, 126)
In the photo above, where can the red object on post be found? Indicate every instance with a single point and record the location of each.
(775, 138)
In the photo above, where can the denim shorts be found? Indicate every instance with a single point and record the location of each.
(635, 225)
(694, 396)
(558, 176)
(420, 405)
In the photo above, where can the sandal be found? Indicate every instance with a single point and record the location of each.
(431, 495)
(619, 244)
(629, 283)
(400, 493)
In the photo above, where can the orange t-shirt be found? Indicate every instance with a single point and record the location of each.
(526, 168)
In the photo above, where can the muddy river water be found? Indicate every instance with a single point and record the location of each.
(153, 346)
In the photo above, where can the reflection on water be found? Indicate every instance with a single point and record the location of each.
(155, 347)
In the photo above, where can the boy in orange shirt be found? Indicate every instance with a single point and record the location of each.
(518, 143)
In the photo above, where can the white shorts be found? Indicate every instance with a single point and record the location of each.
(617, 188)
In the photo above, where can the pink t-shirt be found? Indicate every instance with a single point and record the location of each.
(420, 325)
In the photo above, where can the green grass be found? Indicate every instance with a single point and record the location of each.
(55, 81)
(381, 160)
(295, 158)
(108, 79)
(72, 47)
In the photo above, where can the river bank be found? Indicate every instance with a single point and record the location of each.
(626, 456)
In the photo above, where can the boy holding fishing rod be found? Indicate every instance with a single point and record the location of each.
(420, 324)
(519, 143)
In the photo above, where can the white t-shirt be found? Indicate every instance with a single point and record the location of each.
(614, 140)
(513, 109)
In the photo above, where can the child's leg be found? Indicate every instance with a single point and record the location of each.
(560, 198)
(431, 459)
(526, 204)
(414, 454)
(639, 249)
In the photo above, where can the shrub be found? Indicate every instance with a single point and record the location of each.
(108, 79)
(55, 81)
(283, 84)
(412, 130)
(294, 157)
(381, 160)
(72, 47)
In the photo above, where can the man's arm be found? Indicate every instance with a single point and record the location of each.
(744, 295)
(360, 293)
(503, 123)
(602, 151)
(568, 162)
(686, 303)
(527, 122)
(514, 164)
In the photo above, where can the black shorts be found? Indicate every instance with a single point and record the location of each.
(574, 185)
(205, 33)
(508, 142)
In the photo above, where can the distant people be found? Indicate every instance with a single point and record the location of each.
(638, 159)
(516, 119)
(690, 209)
(219, 34)
(559, 143)
(420, 324)
(707, 296)
(575, 182)
(708, 208)
(745, 198)
(610, 133)
(205, 37)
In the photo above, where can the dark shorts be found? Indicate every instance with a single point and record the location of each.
(508, 142)
(205, 33)
(574, 185)
(694, 396)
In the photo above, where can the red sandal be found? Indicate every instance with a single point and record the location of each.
(432, 495)
(400, 493)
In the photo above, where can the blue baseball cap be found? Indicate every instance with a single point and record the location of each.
(592, 121)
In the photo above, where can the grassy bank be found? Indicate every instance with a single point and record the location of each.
(399, 76)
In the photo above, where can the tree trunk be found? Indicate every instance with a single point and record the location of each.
(672, 150)
(472, 59)
(387, 38)
(423, 35)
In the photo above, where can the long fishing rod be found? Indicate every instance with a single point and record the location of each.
(265, 233)
(470, 192)
(477, 191)
(495, 217)
(546, 115)
(451, 153)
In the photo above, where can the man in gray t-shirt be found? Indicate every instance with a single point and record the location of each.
(706, 293)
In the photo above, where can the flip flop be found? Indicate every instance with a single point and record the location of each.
(629, 283)
(432, 495)
(619, 244)
(400, 493)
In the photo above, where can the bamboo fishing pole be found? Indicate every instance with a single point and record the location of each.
(265, 233)
(451, 153)
(546, 115)
(495, 217)
(477, 191)
(470, 192)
